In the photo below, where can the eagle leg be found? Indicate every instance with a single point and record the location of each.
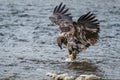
(72, 55)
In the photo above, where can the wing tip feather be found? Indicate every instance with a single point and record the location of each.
(61, 8)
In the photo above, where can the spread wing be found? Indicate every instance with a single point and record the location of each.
(76, 36)
(87, 29)
(61, 17)
(89, 22)
(61, 13)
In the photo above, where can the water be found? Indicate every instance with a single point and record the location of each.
(27, 40)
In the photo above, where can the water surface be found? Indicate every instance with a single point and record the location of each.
(27, 40)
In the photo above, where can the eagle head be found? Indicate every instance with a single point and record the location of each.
(60, 41)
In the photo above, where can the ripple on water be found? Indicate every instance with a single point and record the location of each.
(27, 36)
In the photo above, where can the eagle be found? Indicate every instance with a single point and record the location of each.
(78, 35)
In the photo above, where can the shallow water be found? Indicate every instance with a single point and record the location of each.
(27, 40)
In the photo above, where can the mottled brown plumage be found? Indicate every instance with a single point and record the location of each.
(76, 36)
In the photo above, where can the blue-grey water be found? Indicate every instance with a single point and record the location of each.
(27, 39)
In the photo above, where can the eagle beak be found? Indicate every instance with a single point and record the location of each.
(72, 56)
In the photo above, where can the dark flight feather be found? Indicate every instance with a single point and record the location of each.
(61, 10)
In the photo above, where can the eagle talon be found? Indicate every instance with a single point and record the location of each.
(72, 56)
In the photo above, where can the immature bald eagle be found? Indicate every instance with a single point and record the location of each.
(76, 36)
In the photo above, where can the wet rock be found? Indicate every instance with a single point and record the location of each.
(52, 75)
(67, 77)
(60, 76)
(88, 77)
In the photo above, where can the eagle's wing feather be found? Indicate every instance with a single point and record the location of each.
(62, 18)
(60, 9)
(89, 22)
(61, 14)
(87, 29)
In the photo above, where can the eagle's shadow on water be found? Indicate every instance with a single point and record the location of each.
(77, 68)
(82, 66)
